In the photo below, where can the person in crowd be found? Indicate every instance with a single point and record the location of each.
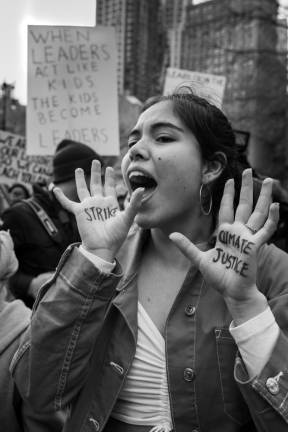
(4, 197)
(41, 229)
(279, 194)
(14, 319)
(18, 192)
(16, 415)
(171, 314)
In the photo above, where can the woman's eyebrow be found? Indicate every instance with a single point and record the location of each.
(134, 133)
(155, 126)
(166, 124)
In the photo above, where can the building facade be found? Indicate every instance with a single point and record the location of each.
(141, 43)
(240, 39)
(175, 19)
(113, 13)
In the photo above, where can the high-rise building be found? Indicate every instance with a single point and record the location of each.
(141, 43)
(238, 39)
(113, 13)
(175, 19)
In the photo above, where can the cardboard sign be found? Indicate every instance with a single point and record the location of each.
(17, 166)
(208, 86)
(72, 88)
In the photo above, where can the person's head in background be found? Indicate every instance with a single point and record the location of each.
(18, 192)
(8, 261)
(202, 153)
(70, 155)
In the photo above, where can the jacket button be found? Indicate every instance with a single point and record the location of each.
(190, 310)
(95, 423)
(272, 386)
(189, 374)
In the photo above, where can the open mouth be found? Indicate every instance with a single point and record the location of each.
(139, 180)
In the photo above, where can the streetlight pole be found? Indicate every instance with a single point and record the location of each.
(6, 96)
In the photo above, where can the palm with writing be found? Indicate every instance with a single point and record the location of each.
(102, 226)
(230, 267)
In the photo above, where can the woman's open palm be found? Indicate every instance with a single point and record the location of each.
(102, 226)
(230, 267)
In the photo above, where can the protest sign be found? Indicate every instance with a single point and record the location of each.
(17, 166)
(208, 86)
(72, 88)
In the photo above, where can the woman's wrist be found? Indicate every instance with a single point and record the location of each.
(105, 254)
(245, 309)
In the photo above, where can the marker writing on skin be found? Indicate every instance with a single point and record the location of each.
(100, 213)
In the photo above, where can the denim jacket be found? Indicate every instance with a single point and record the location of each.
(83, 335)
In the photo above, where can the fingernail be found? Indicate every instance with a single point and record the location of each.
(247, 171)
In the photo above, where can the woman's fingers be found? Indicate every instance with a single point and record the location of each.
(187, 248)
(245, 205)
(226, 212)
(133, 206)
(64, 201)
(109, 186)
(264, 234)
(81, 186)
(95, 179)
(259, 215)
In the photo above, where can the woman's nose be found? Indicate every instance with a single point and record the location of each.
(138, 151)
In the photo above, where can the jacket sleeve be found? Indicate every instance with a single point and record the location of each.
(67, 317)
(267, 394)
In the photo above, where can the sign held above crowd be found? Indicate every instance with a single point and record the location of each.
(16, 166)
(72, 88)
(210, 87)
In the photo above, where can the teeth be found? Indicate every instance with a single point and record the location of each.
(136, 173)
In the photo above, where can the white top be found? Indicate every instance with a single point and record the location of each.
(256, 339)
(144, 399)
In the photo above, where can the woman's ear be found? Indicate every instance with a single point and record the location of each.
(212, 169)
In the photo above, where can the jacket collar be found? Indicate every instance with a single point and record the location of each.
(130, 253)
(129, 256)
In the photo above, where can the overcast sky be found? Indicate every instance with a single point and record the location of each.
(14, 17)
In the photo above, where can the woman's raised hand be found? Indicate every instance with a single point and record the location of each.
(230, 267)
(102, 226)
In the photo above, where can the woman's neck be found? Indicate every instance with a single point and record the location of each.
(163, 247)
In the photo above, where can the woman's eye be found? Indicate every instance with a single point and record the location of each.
(131, 143)
(164, 138)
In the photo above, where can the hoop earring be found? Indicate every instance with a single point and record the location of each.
(205, 200)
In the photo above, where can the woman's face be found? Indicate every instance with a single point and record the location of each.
(164, 157)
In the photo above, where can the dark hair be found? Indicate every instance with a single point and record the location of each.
(214, 133)
(21, 186)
